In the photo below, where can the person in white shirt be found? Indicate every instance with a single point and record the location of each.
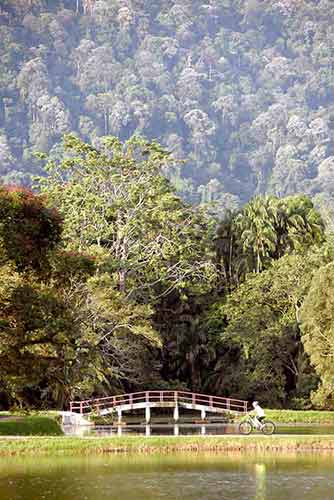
(259, 412)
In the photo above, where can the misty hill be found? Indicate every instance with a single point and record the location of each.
(243, 89)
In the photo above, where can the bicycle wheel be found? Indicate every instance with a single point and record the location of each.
(245, 428)
(268, 427)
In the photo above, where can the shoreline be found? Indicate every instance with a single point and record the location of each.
(44, 445)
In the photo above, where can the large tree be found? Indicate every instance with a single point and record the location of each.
(116, 202)
(43, 353)
(318, 332)
(29, 230)
(151, 248)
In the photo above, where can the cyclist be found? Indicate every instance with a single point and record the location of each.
(259, 413)
(256, 420)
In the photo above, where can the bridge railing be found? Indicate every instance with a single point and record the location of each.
(159, 397)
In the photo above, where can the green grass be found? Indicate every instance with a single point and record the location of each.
(30, 426)
(170, 444)
(301, 416)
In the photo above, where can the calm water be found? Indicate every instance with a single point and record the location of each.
(186, 429)
(211, 477)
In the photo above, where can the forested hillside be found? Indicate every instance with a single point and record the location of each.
(242, 89)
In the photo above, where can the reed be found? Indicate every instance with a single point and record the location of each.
(163, 444)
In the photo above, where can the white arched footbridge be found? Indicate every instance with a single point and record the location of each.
(79, 411)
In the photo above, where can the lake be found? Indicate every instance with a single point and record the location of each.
(186, 477)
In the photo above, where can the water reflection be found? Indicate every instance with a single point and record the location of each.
(184, 429)
(260, 478)
(152, 429)
(187, 476)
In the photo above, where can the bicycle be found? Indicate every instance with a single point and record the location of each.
(247, 426)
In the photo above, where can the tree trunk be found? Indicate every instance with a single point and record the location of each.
(106, 121)
(122, 280)
(2, 113)
(258, 263)
(230, 260)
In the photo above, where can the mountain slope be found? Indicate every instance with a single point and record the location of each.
(244, 90)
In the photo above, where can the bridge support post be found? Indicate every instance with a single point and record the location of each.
(203, 414)
(148, 414)
(147, 430)
(119, 413)
(176, 430)
(176, 413)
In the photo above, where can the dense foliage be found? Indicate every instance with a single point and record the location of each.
(114, 277)
(28, 230)
(317, 323)
(241, 88)
(136, 290)
(83, 322)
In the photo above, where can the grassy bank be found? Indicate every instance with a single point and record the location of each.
(30, 426)
(301, 416)
(170, 444)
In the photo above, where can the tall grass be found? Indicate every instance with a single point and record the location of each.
(163, 444)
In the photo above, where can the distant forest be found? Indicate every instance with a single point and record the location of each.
(241, 89)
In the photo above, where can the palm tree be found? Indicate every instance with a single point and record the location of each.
(297, 224)
(305, 225)
(257, 235)
(264, 230)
